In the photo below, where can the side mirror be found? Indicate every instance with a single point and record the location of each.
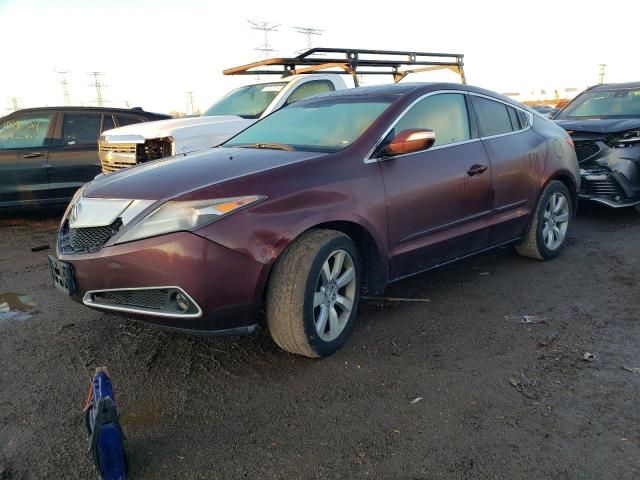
(409, 141)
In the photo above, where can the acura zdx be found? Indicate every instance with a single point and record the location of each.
(327, 198)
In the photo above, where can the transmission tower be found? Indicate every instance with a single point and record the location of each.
(309, 32)
(15, 103)
(98, 85)
(603, 67)
(191, 104)
(65, 86)
(266, 28)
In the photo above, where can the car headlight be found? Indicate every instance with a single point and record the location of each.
(176, 215)
(626, 139)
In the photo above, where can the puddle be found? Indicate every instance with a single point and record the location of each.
(16, 306)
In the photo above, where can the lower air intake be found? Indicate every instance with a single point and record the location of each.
(157, 301)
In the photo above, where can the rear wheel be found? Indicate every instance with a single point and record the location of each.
(549, 227)
(313, 293)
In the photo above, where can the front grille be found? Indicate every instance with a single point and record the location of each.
(118, 147)
(87, 240)
(153, 299)
(116, 156)
(586, 149)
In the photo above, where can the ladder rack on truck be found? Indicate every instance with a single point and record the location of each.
(354, 62)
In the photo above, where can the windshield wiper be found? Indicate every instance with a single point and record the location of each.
(267, 146)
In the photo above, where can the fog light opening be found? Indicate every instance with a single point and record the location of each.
(181, 302)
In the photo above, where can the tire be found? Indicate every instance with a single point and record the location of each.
(299, 281)
(536, 242)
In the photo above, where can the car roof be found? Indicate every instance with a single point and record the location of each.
(402, 89)
(614, 86)
(133, 111)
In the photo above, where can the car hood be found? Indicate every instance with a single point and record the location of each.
(188, 134)
(172, 176)
(600, 125)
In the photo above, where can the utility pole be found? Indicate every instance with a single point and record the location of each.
(266, 28)
(603, 67)
(309, 32)
(98, 86)
(65, 86)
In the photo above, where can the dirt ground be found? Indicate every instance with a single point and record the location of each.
(456, 387)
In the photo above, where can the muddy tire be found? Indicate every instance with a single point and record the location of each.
(549, 228)
(313, 293)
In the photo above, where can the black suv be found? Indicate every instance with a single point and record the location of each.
(604, 122)
(47, 153)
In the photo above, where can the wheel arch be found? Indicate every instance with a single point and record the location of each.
(376, 270)
(567, 179)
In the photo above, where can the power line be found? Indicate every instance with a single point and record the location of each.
(65, 86)
(603, 67)
(266, 28)
(309, 32)
(98, 86)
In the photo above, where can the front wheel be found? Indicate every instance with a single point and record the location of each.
(313, 293)
(549, 227)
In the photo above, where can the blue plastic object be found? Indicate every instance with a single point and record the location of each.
(106, 436)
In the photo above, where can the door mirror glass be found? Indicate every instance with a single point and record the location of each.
(409, 141)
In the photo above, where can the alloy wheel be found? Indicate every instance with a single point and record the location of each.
(556, 221)
(334, 295)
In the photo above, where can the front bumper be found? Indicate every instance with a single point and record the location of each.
(610, 176)
(225, 286)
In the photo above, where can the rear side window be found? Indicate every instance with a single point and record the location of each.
(27, 131)
(513, 116)
(80, 128)
(445, 113)
(309, 89)
(524, 118)
(107, 122)
(493, 117)
(128, 120)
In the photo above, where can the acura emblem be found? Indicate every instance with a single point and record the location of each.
(75, 212)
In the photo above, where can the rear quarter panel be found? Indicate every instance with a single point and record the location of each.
(561, 160)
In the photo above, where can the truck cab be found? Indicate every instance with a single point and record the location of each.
(126, 146)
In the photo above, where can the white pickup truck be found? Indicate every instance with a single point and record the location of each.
(313, 72)
(141, 142)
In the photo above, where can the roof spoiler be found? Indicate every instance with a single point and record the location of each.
(354, 62)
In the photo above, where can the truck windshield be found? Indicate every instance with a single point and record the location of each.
(325, 126)
(247, 102)
(608, 103)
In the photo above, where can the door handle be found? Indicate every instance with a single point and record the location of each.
(476, 170)
(32, 155)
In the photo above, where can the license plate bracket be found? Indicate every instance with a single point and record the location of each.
(62, 275)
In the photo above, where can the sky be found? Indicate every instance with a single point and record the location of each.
(153, 51)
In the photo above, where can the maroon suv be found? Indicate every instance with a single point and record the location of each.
(318, 202)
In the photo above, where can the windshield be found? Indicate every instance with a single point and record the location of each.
(247, 102)
(326, 126)
(609, 103)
